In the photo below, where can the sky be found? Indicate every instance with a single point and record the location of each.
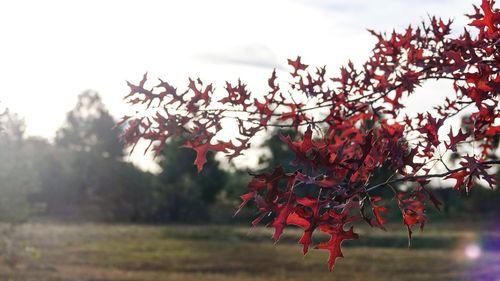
(51, 51)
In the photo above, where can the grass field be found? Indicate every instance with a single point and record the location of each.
(131, 252)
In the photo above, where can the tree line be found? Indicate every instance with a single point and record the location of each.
(82, 175)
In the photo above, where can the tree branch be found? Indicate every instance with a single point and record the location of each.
(414, 178)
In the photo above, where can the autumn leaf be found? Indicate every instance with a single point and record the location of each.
(491, 19)
(454, 140)
(297, 65)
(378, 211)
(337, 236)
(202, 149)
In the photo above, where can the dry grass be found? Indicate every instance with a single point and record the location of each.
(131, 252)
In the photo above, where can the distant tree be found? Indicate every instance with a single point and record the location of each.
(89, 128)
(59, 177)
(86, 175)
(182, 193)
(278, 152)
(18, 179)
(123, 192)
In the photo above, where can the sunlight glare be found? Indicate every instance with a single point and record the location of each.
(472, 251)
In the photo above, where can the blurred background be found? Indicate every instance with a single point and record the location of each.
(76, 205)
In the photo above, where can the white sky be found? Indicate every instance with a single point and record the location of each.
(51, 51)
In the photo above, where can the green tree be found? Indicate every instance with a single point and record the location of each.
(89, 128)
(97, 181)
(18, 179)
(182, 193)
(278, 152)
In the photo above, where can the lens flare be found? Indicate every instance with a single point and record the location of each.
(472, 251)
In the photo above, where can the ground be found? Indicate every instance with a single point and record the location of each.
(55, 251)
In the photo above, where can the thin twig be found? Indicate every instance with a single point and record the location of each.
(414, 178)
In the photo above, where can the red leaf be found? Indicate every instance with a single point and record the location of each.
(378, 211)
(491, 19)
(459, 177)
(282, 213)
(246, 198)
(297, 65)
(201, 157)
(306, 239)
(477, 169)
(431, 129)
(200, 94)
(337, 236)
(454, 140)
(412, 207)
(202, 149)
(300, 148)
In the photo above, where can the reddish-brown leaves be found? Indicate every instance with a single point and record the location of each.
(200, 94)
(348, 128)
(471, 168)
(412, 207)
(490, 18)
(431, 129)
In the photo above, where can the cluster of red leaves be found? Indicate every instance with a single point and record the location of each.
(351, 126)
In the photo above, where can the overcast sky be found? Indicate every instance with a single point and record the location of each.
(51, 51)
